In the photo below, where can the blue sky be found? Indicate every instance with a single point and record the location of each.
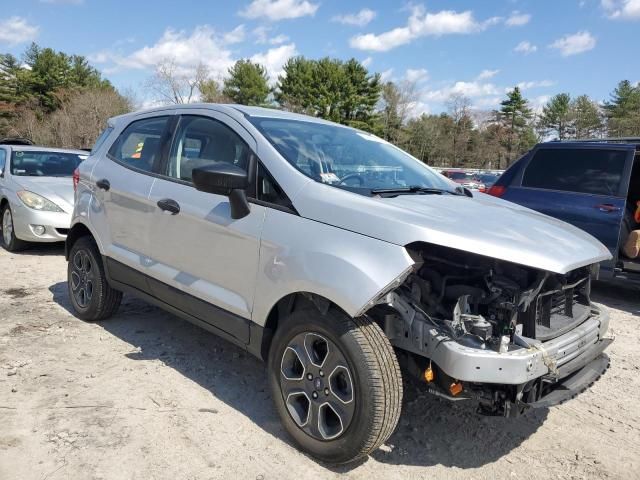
(478, 49)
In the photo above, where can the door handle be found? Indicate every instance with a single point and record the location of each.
(170, 206)
(607, 207)
(103, 184)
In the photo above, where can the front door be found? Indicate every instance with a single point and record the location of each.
(197, 248)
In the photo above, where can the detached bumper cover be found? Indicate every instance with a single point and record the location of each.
(575, 383)
(554, 359)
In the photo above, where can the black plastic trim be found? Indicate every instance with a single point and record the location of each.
(231, 327)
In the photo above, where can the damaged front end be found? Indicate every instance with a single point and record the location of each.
(506, 335)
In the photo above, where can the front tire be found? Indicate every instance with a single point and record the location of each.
(336, 384)
(91, 295)
(9, 240)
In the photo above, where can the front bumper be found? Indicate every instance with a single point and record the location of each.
(554, 359)
(56, 224)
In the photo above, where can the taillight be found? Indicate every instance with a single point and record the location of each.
(497, 190)
(76, 179)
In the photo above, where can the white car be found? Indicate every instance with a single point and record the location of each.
(36, 193)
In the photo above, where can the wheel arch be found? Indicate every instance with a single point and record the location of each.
(77, 231)
(261, 337)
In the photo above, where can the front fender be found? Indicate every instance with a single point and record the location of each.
(302, 255)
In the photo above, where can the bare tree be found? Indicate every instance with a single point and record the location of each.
(77, 123)
(175, 84)
(459, 108)
(395, 104)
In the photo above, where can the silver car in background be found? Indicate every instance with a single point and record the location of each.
(337, 258)
(36, 193)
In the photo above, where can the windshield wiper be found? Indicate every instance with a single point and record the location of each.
(412, 189)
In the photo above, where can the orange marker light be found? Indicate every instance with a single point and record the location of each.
(455, 388)
(428, 375)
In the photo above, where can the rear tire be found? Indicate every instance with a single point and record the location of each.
(90, 294)
(358, 375)
(8, 237)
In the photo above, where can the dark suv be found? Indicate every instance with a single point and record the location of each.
(593, 185)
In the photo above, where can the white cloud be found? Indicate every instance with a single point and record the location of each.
(367, 62)
(278, 39)
(360, 19)
(15, 30)
(387, 75)
(417, 75)
(526, 48)
(275, 10)
(622, 9)
(234, 36)
(487, 74)
(420, 24)
(534, 84)
(185, 50)
(517, 19)
(471, 89)
(261, 33)
(274, 59)
(576, 43)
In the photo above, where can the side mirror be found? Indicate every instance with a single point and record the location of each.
(225, 179)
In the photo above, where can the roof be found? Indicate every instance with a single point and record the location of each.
(38, 148)
(229, 108)
(603, 141)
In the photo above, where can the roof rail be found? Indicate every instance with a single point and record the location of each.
(607, 140)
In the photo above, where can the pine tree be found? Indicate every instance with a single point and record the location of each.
(587, 117)
(247, 83)
(623, 110)
(557, 115)
(329, 88)
(515, 113)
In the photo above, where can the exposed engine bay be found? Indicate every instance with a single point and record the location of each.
(477, 327)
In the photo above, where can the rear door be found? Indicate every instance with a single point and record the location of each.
(584, 186)
(122, 182)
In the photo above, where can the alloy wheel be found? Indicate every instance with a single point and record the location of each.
(317, 386)
(82, 278)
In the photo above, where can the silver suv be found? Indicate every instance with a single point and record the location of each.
(337, 258)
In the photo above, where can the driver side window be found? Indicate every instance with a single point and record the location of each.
(202, 141)
(3, 161)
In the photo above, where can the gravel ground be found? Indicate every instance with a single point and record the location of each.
(147, 396)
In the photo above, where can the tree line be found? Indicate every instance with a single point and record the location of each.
(61, 100)
(55, 99)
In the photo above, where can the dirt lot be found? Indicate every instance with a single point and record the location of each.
(148, 396)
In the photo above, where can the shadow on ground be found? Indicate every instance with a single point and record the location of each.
(42, 249)
(619, 295)
(431, 431)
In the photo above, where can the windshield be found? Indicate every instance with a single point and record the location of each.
(347, 158)
(44, 164)
(488, 177)
(457, 175)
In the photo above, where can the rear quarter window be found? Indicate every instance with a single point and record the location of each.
(596, 172)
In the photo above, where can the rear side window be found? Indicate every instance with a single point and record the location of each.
(100, 140)
(3, 160)
(139, 145)
(597, 172)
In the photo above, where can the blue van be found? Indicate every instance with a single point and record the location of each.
(594, 185)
